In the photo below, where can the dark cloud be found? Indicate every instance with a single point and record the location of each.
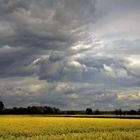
(69, 53)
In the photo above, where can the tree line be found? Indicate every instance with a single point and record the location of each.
(119, 111)
(53, 110)
(29, 110)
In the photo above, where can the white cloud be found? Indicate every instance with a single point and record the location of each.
(133, 64)
(73, 96)
(132, 95)
(74, 66)
(115, 72)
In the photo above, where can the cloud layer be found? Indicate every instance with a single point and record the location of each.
(70, 53)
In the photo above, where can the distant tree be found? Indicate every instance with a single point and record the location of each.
(57, 111)
(1, 105)
(133, 112)
(138, 111)
(88, 111)
(118, 111)
(97, 112)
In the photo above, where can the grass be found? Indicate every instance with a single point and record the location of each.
(62, 128)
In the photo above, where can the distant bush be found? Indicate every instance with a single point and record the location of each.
(1, 105)
(88, 111)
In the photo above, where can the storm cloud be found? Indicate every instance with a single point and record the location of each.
(70, 53)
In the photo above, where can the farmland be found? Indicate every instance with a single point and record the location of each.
(63, 128)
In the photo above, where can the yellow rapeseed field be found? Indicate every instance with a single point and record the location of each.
(62, 128)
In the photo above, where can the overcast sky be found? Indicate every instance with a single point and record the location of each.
(70, 54)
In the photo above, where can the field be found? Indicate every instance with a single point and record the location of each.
(62, 128)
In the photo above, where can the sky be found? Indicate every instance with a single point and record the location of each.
(70, 54)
